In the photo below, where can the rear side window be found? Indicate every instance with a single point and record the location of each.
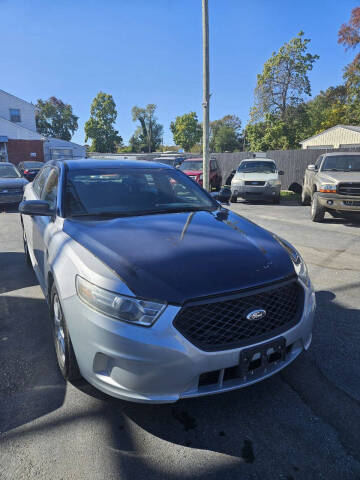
(39, 181)
(49, 192)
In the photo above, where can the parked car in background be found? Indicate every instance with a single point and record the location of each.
(256, 179)
(156, 291)
(11, 184)
(29, 169)
(193, 168)
(170, 160)
(332, 185)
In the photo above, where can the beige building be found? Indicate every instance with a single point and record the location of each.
(340, 136)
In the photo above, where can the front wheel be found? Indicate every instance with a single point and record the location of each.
(276, 200)
(317, 211)
(305, 199)
(233, 199)
(63, 346)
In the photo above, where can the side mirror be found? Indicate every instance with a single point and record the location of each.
(36, 207)
(311, 168)
(281, 172)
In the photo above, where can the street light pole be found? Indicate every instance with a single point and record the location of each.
(206, 95)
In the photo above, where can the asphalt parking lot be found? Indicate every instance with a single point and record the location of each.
(303, 423)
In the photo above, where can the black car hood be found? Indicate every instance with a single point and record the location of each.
(181, 256)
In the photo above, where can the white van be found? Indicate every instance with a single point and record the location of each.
(256, 179)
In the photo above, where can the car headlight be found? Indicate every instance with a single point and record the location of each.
(327, 188)
(271, 183)
(128, 309)
(299, 264)
(237, 182)
(200, 176)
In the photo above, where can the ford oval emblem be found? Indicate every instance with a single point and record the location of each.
(256, 315)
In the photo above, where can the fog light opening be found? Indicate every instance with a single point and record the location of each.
(330, 202)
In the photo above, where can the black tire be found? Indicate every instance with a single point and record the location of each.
(317, 211)
(63, 347)
(26, 250)
(276, 200)
(305, 199)
(233, 199)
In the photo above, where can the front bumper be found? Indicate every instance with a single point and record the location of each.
(10, 198)
(334, 201)
(157, 364)
(261, 192)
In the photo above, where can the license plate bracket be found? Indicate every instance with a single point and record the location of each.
(257, 360)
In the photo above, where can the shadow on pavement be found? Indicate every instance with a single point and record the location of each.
(299, 424)
(31, 385)
(15, 274)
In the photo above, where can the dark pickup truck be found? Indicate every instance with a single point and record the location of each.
(332, 185)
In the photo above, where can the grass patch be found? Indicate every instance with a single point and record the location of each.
(289, 194)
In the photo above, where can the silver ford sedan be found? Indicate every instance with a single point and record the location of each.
(156, 291)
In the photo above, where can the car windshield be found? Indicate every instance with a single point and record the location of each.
(32, 164)
(9, 171)
(341, 163)
(192, 165)
(258, 167)
(137, 191)
(167, 161)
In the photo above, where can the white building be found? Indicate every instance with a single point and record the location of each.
(340, 136)
(17, 111)
(19, 140)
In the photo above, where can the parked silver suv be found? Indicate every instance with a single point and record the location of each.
(332, 184)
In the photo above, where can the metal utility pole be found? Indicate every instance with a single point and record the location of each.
(206, 95)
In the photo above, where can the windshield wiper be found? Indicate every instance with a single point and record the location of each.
(142, 212)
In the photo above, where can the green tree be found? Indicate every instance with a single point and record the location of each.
(186, 130)
(284, 80)
(276, 134)
(148, 137)
(225, 134)
(54, 118)
(100, 126)
(349, 37)
(327, 109)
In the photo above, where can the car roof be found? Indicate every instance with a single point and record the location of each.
(335, 154)
(88, 163)
(194, 158)
(259, 159)
(7, 163)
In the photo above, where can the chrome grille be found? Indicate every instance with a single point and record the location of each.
(350, 188)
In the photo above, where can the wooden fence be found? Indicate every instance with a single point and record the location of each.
(292, 162)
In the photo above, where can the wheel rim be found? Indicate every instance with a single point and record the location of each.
(59, 332)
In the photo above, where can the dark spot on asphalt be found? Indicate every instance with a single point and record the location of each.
(296, 468)
(222, 434)
(290, 477)
(247, 452)
(121, 427)
(185, 419)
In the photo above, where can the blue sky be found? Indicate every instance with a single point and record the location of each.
(150, 51)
